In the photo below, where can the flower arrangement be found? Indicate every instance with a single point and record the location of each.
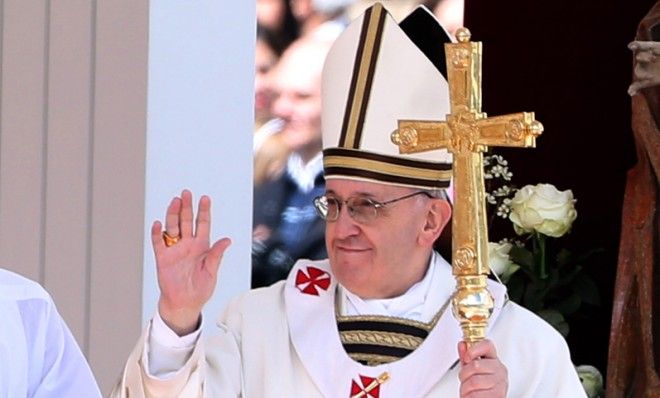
(546, 279)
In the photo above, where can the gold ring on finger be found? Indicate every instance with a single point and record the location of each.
(170, 240)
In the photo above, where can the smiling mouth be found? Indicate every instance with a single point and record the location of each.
(351, 249)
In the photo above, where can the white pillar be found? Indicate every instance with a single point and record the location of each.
(199, 128)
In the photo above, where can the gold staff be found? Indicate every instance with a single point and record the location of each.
(467, 133)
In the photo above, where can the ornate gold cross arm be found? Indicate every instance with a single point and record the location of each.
(514, 130)
(467, 133)
(415, 136)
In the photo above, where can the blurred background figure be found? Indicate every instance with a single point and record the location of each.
(321, 17)
(286, 225)
(448, 12)
(277, 28)
(398, 8)
(265, 58)
(269, 150)
(276, 16)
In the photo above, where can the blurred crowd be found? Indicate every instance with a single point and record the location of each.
(292, 40)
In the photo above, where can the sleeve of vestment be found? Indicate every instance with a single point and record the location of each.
(536, 356)
(54, 353)
(212, 370)
(165, 351)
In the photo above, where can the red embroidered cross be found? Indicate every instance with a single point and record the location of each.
(370, 387)
(308, 282)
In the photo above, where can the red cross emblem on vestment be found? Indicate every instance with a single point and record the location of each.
(368, 387)
(308, 282)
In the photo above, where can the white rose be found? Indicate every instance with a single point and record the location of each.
(592, 380)
(498, 257)
(499, 260)
(544, 209)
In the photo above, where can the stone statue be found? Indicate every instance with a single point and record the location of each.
(634, 352)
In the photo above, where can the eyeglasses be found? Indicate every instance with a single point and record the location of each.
(362, 210)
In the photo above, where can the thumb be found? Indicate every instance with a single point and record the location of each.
(463, 352)
(215, 253)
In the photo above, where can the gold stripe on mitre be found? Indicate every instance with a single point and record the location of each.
(363, 74)
(342, 162)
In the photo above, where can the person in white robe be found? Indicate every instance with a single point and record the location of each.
(372, 320)
(39, 356)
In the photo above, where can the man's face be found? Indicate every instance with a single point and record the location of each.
(302, 9)
(297, 86)
(384, 258)
(264, 61)
(270, 14)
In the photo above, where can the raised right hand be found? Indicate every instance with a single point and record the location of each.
(187, 270)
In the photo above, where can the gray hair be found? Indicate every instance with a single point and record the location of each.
(437, 193)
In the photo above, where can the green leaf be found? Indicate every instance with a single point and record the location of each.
(516, 288)
(522, 257)
(570, 304)
(582, 257)
(563, 328)
(587, 289)
(509, 272)
(556, 319)
(534, 296)
(553, 277)
(563, 257)
(569, 275)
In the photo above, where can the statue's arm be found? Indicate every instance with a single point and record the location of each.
(647, 65)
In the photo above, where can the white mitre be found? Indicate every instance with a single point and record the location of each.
(376, 73)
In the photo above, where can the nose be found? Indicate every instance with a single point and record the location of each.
(344, 226)
(282, 106)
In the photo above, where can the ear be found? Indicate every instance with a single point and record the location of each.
(437, 216)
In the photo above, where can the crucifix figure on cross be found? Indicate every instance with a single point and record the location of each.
(467, 134)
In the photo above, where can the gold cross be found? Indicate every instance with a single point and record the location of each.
(385, 376)
(467, 133)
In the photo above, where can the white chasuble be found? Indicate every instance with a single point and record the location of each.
(283, 341)
(313, 325)
(39, 357)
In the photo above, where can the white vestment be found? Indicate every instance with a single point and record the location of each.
(283, 341)
(38, 355)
